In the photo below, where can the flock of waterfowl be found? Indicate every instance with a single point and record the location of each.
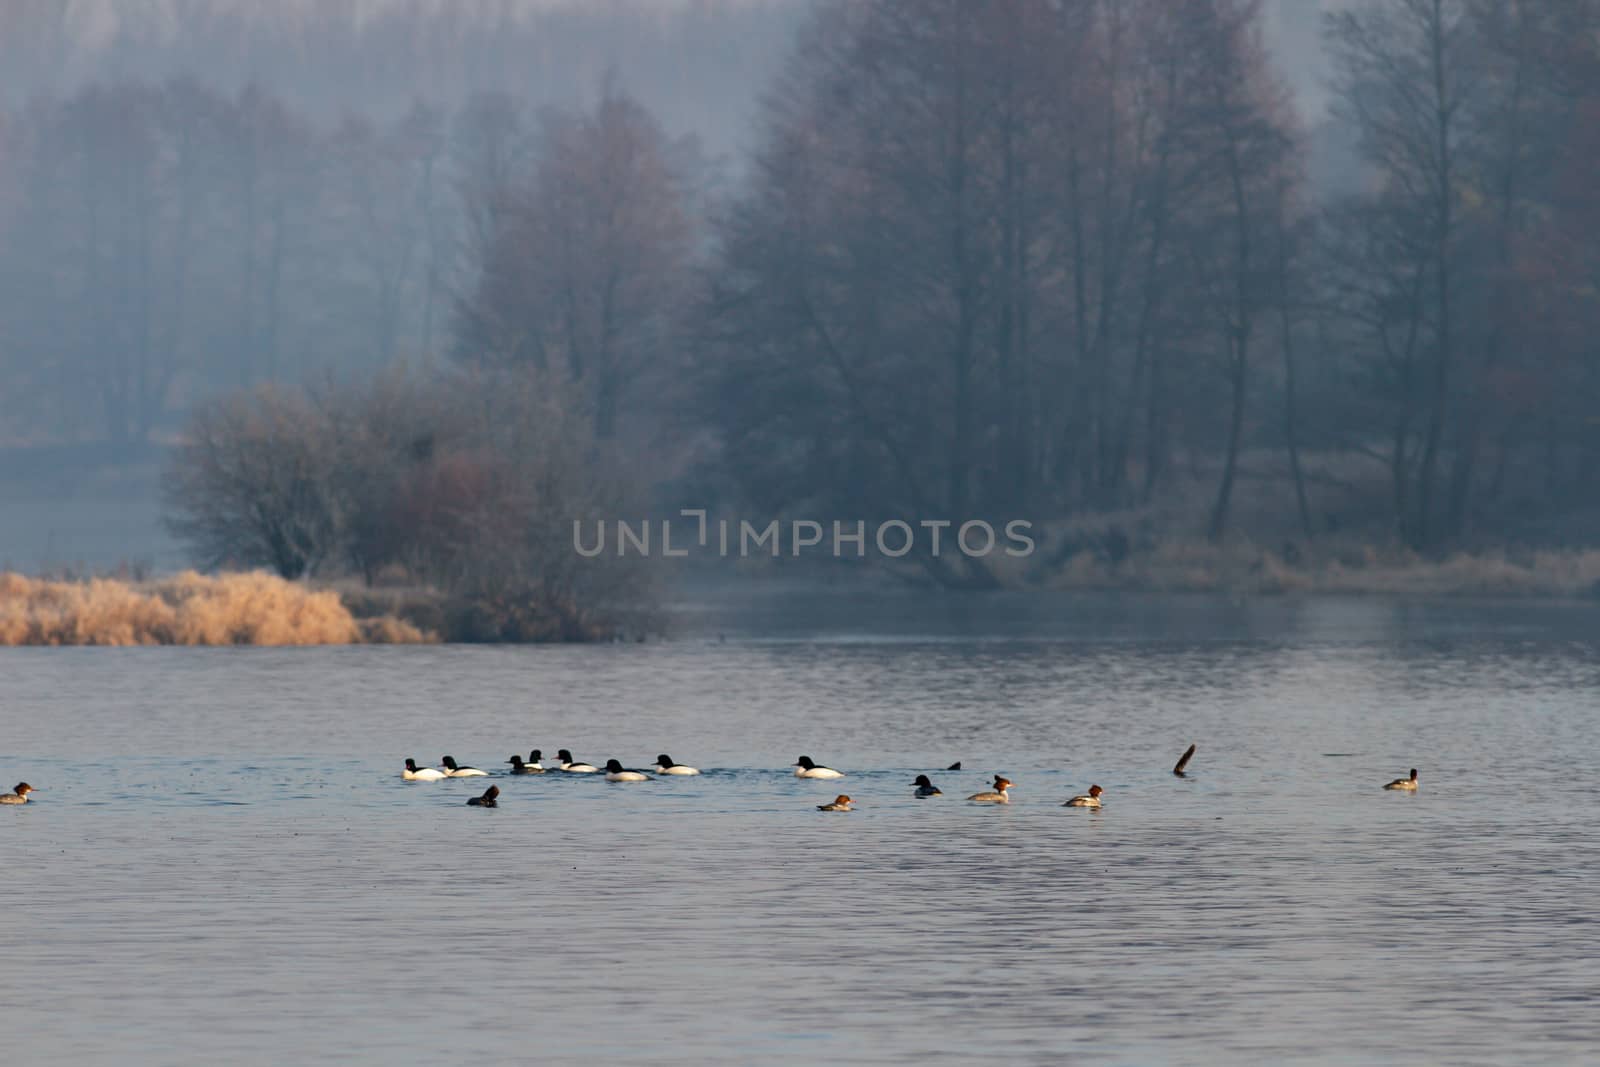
(804, 767)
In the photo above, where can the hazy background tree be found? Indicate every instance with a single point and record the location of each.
(585, 259)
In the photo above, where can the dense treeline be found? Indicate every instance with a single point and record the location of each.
(1006, 258)
(982, 261)
(1017, 258)
(163, 243)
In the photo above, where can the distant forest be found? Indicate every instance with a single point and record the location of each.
(959, 260)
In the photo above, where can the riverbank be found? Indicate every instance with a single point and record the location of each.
(1344, 568)
(260, 609)
(256, 608)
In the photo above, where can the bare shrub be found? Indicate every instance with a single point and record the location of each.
(467, 484)
(252, 484)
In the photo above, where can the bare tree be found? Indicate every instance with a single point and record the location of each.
(589, 265)
(1407, 69)
(960, 276)
(467, 484)
(253, 484)
(1241, 122)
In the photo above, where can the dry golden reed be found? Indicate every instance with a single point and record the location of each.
(190, 609)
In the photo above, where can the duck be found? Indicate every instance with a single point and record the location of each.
(18, 795)
(804, 768)
(956, 766)
(1405, 783)
(488, 799)
(664, 765)
(616, 772)
(1183, 762)
(413, 773)
(571, 767)
(840, 803)
(997, 795)
(926, 788)
(532, 766)
(452, 771)
(1091, 799)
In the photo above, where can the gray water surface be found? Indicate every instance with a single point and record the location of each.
(223, 864)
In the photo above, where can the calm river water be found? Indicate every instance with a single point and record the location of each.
(223, 864)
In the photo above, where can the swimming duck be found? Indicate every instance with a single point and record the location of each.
(804, 768)
(533, 766)
(1183, 762)
(488, 799)
(664, 765)
(616, 772)
(452, 771)
(995, 796)
(1404, 783)
(1091, 799)
(840, 803)
(413, 773)
(926, 788)
(566, 764)
(956, 766)
(19, 795)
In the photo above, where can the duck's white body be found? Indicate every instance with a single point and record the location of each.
(572, 767)
(421, 774)
(616, 772)
(804, 768)
(466, 772)
(664, 765)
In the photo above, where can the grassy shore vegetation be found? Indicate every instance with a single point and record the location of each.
(1349, 567)
(187, 609)
(1355, 549)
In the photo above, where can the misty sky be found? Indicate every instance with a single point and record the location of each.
(1294, 24)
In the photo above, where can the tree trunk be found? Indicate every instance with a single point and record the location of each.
(1445, 221)
(1219, 511)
